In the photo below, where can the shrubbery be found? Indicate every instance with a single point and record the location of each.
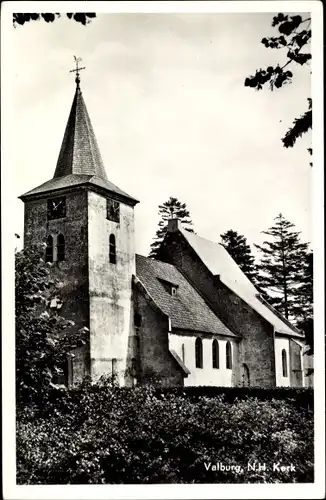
(102, 434)
(299, 397)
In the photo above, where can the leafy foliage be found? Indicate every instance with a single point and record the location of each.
(106, 435)
(295, 35)
(240, 251)
(281, 268)
(172, 208)
(300, 126)
(299, 397)
(43, 338)
(79, 17)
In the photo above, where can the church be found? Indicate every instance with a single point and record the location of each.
(189, 318)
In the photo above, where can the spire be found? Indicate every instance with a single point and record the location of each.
(79, 152)
(80, 162)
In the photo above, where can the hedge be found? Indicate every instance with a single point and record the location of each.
(299, 397)
(107, 435)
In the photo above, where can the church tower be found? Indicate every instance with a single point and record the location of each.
(87, 224)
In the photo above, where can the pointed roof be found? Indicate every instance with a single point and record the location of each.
(80, 161)
(79, 152)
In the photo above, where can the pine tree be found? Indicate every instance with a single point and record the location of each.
(305, 291)
(240, 251)
(305, 302)
(171, 209)
(282, 269)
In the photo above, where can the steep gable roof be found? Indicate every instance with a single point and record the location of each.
(219, 262)
(187, 310)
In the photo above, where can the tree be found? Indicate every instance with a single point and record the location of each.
(281, 267)
(79, 17)
(240, 251)
(305, 292)
(294, 36)
(44, 339)
(305, 302)
(172, 208)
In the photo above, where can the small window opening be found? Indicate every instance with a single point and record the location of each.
(199, 353)
(112, 250)
(228, 356)
(49, 249)
(215, 354)
(284, 363)
(137, 320)
(183, 352)
(60, 247)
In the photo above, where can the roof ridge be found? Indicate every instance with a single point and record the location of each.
(183, 230)
(237, 287)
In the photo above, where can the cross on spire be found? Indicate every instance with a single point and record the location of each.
(77, 61)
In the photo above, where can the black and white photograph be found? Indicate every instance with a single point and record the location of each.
(163, 243)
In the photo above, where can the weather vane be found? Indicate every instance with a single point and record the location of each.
(77, 61)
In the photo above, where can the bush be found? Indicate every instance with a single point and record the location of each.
(104, 434)
(299, 397)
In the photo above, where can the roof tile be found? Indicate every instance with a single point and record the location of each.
(219, 262)
(187, 309)
(80, 161)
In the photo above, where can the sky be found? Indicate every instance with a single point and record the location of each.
(166, 97)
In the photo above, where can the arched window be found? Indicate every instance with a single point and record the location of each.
(215, 354)
(60, 247)
(112, 250)
(183, 352)
(114, 366)
(228, 356)
(49, 249)
(284, 363)
(199, 353)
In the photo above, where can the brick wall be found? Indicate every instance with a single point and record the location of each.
(73, 271)
(155, 360)
(256, 349)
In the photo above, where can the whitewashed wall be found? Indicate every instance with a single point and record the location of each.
(207, 375)
(281, 344)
